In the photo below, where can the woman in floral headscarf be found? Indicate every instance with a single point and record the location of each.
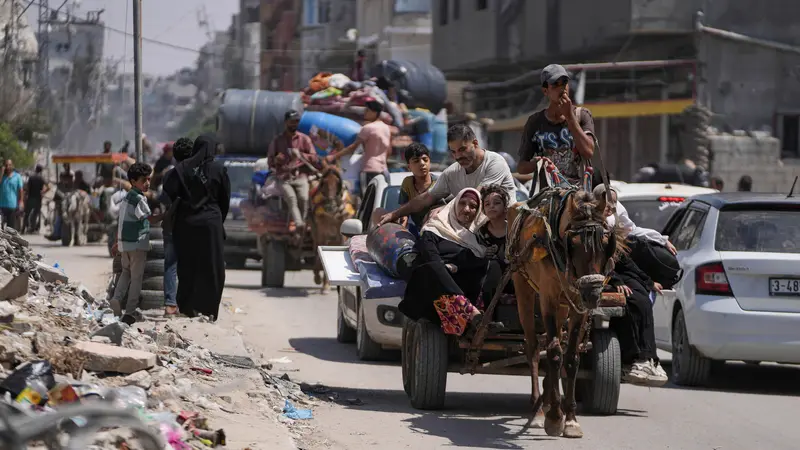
(450, 267)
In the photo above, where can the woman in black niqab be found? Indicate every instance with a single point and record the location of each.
(201, 186)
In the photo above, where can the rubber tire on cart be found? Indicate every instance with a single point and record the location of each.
(156, 233)
(66, 234)
(156, 250)
(600, 393)
(153, 283)
(151, 299)
(366, 348)
(274, 272)
(344, 333)
(151, 268)
(407, 354)
(428, 367)
(689, 367)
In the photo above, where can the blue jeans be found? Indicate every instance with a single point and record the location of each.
(170, 272)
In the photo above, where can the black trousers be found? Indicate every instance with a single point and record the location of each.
(636, 329)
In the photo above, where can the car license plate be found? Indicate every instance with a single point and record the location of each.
(784, 286)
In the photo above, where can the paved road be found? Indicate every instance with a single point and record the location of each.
(750, 408)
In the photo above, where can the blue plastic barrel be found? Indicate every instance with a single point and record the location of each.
(343, 128)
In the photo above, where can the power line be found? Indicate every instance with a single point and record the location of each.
(263, 51)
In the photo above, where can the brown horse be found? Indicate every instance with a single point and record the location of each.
(331, 205)
(563, 252)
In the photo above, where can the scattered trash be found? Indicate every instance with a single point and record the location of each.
(30, 382)
(202, 370)
(296, 414)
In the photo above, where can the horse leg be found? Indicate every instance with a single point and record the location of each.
(554, 417)
(572, 429)
(526, 307)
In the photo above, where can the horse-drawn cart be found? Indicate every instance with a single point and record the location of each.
(428, 355)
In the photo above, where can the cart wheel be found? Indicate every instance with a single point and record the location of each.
(600, 393)
(272, 274)
(407, 354)
(429, 367)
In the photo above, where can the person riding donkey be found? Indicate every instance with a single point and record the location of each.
(288, 156)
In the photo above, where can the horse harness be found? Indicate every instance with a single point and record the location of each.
(555, 201)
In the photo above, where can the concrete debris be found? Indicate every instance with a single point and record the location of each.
(141, 378)
(110, 358)
(112, 331)
(13, 286)
(157, 366)
(50, 274)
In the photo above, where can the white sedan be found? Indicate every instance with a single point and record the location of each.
(650, 205)
(739, 298)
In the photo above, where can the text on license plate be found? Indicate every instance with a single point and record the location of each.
(784, 286)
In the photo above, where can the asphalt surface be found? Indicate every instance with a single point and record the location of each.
(746, 408)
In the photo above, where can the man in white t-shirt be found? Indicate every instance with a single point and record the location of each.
(474, 167)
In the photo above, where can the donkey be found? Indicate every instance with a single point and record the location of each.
(331, 205)
(563, 252)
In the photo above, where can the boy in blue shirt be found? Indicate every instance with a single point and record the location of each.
(11, 198)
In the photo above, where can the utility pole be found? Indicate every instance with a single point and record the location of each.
(43, 71)
(137, 74)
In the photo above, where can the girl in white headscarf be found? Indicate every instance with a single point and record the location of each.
(450, 268)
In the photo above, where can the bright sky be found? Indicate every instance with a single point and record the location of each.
(171, 21)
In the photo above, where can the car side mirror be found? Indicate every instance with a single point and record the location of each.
(351, 227)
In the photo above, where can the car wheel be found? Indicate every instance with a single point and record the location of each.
(689, 367)
(367, 349)
(344, 333)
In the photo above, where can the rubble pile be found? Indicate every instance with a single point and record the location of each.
(59, 344)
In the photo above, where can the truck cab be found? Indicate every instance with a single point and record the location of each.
(240, 242)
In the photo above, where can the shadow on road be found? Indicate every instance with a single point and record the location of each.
(329, 349)
(492, 420)
(771, 379)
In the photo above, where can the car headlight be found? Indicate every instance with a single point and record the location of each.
(389, 315)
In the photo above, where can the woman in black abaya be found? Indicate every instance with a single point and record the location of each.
(202, 189)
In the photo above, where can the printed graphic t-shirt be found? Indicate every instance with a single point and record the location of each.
(554, 141)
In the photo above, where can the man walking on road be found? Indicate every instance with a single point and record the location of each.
(284, 158)
(11, 195)
(474, 167)
(37, 187)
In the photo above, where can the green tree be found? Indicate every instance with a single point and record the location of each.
(10, 148)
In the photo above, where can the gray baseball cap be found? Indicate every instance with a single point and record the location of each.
(553, 73)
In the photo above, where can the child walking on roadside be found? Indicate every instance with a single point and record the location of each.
(133, 241)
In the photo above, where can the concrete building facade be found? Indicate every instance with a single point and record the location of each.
(640, 109)
(280, 44)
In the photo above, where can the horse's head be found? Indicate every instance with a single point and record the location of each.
(331, 183)
(590, 245)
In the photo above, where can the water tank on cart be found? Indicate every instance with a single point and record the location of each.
(419, 85)
(248, 120)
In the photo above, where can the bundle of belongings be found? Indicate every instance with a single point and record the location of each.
(335, 93)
